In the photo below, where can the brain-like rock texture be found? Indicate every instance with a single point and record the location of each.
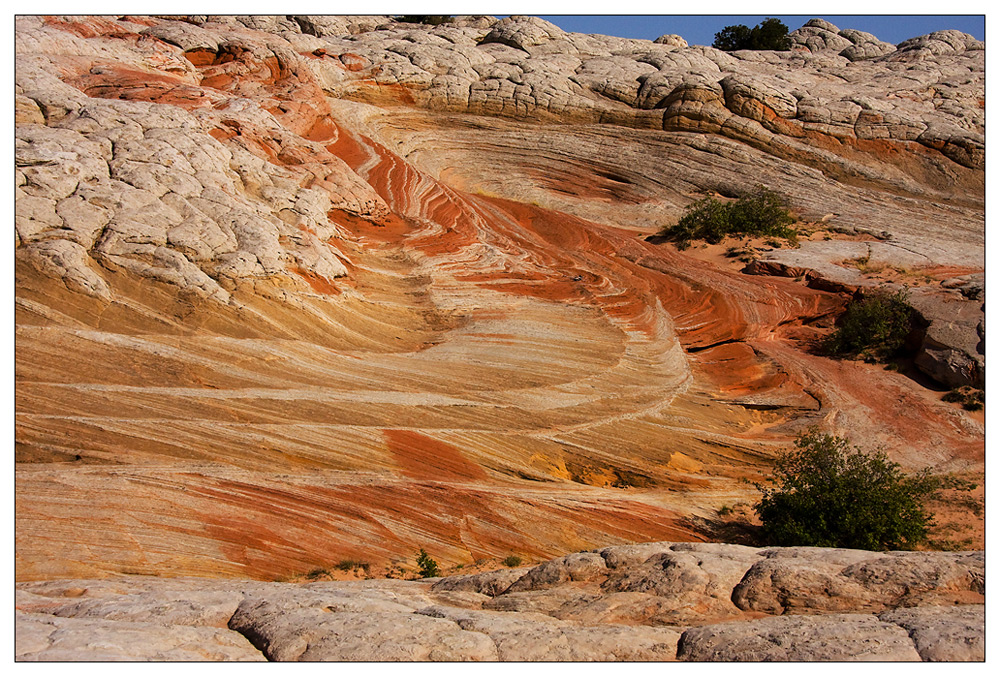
(386, 620)
(293, 291)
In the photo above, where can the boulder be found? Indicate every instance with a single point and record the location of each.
(943, 633)
(795, 579)
(301, 627)
(580, 567)
(523, 32)
(953, 347)
(490, 583)
(837, 637)
(42, 637)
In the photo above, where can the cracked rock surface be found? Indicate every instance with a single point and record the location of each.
(929, 607)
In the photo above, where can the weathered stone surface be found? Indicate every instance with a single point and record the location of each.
(671, 610)
(953, 351)
(937, 43)
(41, 637)
(940, 633)
(689, 585)
(794, 579)
(864, 45)
(523, 32)
(535, 637)
(323, 25)
(580, 567)
(490, 583)
(838, 637)
(551, 601)
(209, 609)
(300, 627)
(167, 200)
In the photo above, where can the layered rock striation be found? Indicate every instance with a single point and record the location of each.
(298, 290)
(647, 602)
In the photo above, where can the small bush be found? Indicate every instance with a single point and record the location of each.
(428, 567)
(426, 19)
(762, 213)
(970, 398)
(512, 561)
(768, 34)
(873, 328)
(829, 494)
(352, 565)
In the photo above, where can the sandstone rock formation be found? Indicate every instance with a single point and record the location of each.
(649, 602)
(292, 291)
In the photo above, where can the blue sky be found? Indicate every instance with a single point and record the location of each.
(701, 30)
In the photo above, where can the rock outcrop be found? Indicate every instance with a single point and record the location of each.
(950, 315)
(649, 602)
(292, 291)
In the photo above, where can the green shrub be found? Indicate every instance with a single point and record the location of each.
(732, 38)
(970, 398)
(768, 34)
(873, 328)
(426, 19)
(512, 561)
(829, 494)
(762, 213)
(428, 567)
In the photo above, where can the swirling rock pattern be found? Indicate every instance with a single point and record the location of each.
(297, 290)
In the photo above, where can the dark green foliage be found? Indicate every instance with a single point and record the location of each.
(829, 494)
(428, 19)
(970, 398)
(428, 567)
(708, 219)
(762, 213)
(873, 328)
(512, 561)
(731, 38)
(768, 34)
